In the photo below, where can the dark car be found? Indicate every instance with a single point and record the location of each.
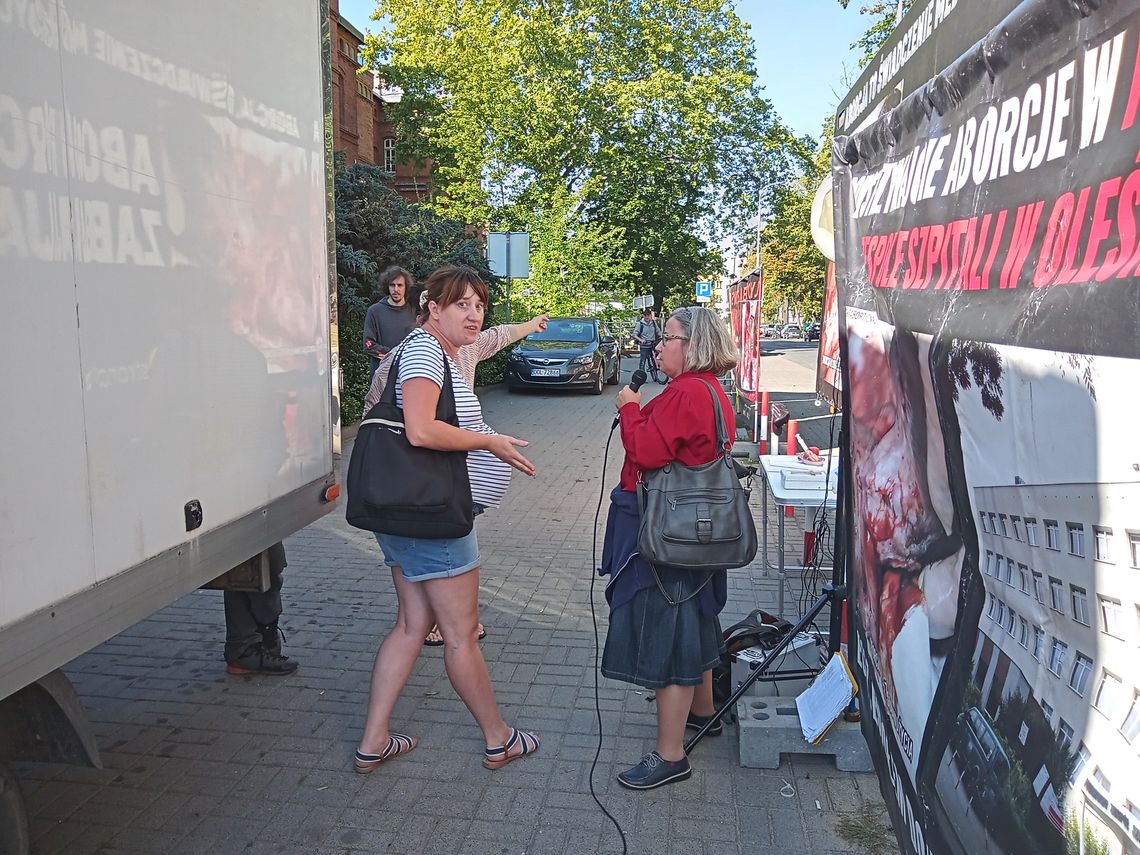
(811, 332)
(984, 763)
(573, 353)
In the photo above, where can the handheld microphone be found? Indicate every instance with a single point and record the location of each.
(635, 382)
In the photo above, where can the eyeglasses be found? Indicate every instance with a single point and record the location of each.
(671, 337)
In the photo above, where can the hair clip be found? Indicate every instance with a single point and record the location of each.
(423, 298)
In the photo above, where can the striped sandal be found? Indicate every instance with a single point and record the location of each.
(527, 742)
(397, 744)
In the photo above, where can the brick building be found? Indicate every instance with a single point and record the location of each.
(361, 127)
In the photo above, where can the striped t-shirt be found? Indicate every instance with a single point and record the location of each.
(422, 356)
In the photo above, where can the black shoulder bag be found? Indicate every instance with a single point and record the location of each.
(697, 517)
(398, 488)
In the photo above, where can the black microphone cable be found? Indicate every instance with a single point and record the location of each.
(634, 384)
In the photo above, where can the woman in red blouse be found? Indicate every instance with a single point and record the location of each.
(651, 642)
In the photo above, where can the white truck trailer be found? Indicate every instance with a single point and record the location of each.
(168, 395)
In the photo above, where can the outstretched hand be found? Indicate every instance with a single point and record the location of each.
(538, 322)
(506, 448)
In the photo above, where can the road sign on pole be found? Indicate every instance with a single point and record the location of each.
(704, 292)
(508, 255)
(643, 302)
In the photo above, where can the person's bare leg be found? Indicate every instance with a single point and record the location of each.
(673, 704)
(703, 697)
(395, 660)
(456, 606)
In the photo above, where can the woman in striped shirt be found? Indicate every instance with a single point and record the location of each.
(437, 580)
(490, 341)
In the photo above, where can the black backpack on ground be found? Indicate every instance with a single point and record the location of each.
(759, 629)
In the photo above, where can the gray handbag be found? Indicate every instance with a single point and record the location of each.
(697, 517)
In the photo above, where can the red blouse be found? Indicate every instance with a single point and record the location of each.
(677, 425)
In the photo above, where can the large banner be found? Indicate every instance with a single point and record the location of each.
(828, 372)
(988, 270)
(745, 299)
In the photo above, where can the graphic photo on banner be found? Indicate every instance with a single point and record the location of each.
(828, 372)
(745, 301)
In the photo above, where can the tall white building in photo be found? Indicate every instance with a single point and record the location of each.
(1061, 624)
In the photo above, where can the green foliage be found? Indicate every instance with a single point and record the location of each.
(1093, 845)
(573, 262)
(882, 25)
(1059, 760)
(375, 228)
(492, 370)
(794, 268)
(355, 366)
(971, 695)
(627, 132)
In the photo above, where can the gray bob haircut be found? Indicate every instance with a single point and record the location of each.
(710, 344)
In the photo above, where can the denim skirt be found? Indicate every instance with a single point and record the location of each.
(651, 643)
(423, 558)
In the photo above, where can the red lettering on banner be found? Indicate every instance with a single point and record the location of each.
(1133, 96)
(1024, 231)
(987, 271)
(881, 253)
(1068, 270)
(951, 258)
(913, 256)
(970, 231)
(971, 279)
(1101, 227)
(1117, 259)
(869, 256)
(937, 241)
(898, 239)
(1057, 229)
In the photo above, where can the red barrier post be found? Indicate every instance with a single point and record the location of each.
(791, 449)
(761, 438)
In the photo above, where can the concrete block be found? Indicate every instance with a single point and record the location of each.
(770, 727)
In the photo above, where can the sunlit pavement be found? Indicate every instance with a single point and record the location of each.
(198, 761)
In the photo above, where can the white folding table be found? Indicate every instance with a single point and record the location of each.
(817, 490)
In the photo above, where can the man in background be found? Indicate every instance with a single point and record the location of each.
(646, 333)
(391, 319)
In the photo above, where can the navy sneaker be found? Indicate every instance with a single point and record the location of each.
(655, 771)
(696, 722)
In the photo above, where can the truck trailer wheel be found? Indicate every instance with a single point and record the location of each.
(14, 836)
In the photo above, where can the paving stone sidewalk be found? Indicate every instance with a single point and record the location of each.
(198, 761)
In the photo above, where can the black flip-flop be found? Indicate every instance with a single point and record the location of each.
(430, 643)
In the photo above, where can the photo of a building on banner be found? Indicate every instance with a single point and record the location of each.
(1051, 706)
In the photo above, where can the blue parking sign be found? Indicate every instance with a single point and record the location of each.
(704, 289)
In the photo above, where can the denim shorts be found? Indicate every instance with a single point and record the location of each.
(425, 558)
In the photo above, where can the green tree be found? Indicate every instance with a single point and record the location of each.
(376, 227)
(794, 268)
(883, 17)
(573, 262)
(646, 114)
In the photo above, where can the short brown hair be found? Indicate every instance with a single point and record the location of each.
(450, 282)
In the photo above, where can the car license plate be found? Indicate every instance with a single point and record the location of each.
(544, 372)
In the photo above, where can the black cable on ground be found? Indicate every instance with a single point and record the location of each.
(597, 645)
